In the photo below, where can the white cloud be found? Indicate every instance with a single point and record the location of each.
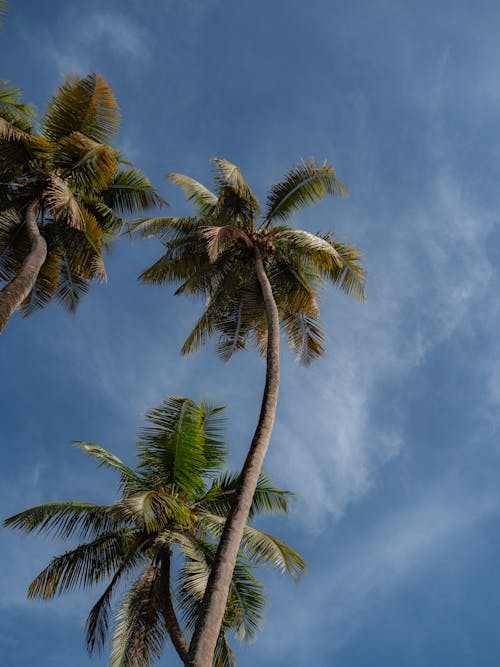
(78, 44)
(356, 577)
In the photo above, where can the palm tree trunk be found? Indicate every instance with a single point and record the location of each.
(13, 294)
(168, 612)
(209, 622)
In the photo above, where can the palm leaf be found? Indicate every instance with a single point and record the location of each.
(82, 567)
(172, 445)
(305, 184)
(260, 547)
(140, 635)
(203, 200)
(64, 519)
(130, 191)
(305, 336)
(130, 481)
(13, 110)
(84, 105)
(60, 200)
(228, 175)
(267, 498)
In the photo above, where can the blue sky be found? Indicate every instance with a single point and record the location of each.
(390, 442)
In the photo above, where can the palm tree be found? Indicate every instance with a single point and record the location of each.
(63, 192)
(174, 503)
(256, 273)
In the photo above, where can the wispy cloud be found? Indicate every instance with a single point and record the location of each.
(354, 578)
(80, 43)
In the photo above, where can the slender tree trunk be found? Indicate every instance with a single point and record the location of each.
(169, 616)
(202, 647)
(13, 294)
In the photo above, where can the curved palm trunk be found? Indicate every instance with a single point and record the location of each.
(209, 622)
(168, 612)
(13, 294)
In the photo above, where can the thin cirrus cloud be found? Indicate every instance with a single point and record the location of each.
(97, 36)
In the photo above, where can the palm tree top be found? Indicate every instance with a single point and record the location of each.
(79, 186)
(212, 255)
(176, 499)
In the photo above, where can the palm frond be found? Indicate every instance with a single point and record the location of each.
(88, 164)
(130, 191)
(218, 238)
(202, 199)
(304, 185)
(228, 175)
(97, 624)
(60, 200)
(152, 510)
(304, 335)
(267, 498)
(13, 110)
(82, 567)
(172, 447)
(64, 520)
(130, 481)
(86, 105)
(223, 656)
(308, 243)
(260, 547)
(140, 635)
(161, 227)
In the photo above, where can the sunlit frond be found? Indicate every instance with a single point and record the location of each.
(202, 199)
(151, 510)
(173, 445)
(260, 547)
(229, 175)
(64, 520)
(305, 184)
(130, 481)
(160, 227)
(85, 105)
(88, 164)
(60, 200)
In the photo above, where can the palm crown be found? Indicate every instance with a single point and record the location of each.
(176, 499)
(76, 184)
(212, 255)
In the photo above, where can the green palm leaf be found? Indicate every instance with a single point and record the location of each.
(82, 567)
(130, 191)
(305, 184)
(166, 520)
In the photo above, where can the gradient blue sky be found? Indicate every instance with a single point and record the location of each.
(391, 442)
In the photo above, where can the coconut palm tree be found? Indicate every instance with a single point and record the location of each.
(173, 504)
(63, 192)
(256, 274)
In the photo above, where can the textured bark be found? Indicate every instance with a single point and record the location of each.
(207, 629)
(169, 616)
(13, 294)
